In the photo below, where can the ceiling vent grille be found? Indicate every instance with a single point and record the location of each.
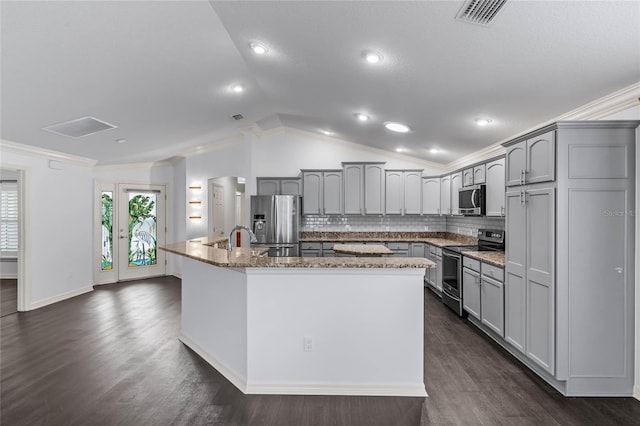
(79, 127)
(480, 12)
(237, 117)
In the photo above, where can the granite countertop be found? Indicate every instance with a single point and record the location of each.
(362, 250)
(440, 239)
(245, 257)
(495, 258)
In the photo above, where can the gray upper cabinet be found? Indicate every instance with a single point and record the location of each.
(456, 184)
(467, 177)
(531, 161)
(394, 189)
(353, 175)
(322, 192)
(403, 192)
(479, 174)
(495, 188)
(279, 186)
(445, 195)
(374, 188)
(431, 195)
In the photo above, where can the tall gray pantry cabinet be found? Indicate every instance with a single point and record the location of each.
(569, 273)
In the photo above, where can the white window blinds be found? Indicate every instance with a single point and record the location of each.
(8, 219)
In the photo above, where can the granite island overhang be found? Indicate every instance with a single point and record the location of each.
(307, 326)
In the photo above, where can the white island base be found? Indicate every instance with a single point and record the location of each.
(308, 331)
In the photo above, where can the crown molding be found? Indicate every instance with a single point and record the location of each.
(130, 166)
(224, 143)
(34, 151)
(484, 154)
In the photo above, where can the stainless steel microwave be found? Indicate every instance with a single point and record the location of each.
(472, 200)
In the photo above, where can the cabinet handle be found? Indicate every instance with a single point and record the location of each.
(502, 211)
(618, 269)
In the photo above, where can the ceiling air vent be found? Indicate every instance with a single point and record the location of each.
(79, 127)
(237, 117)
(480, 12)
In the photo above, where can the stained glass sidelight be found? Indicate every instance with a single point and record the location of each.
(142, 229)
(107, 231)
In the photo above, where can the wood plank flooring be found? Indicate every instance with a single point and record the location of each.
(112, 357)
(8, 296)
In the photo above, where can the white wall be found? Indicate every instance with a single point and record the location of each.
(58, 220)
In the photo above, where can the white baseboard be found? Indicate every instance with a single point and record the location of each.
(235, 378)
(636, 392)
(61, 297)
(360, 389)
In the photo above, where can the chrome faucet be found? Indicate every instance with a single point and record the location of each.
(240, 227)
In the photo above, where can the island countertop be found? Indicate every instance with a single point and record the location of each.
(253, 257)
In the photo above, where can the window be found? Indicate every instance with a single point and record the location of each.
(8, 219)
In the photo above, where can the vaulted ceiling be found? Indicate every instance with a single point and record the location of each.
(163, 71)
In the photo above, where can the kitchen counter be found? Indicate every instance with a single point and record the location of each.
(305, 326)
(362, 249)
(440, 239)
(495, 258)
(243, 257)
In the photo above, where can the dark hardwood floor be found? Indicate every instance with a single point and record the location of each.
(112, 357)
(8, 297)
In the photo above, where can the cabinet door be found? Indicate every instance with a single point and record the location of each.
(541, 154)
(291, 187)
(394, 192)
(332, 192)
(540, 240)
(412, 192)
(515, 259)
(492, 304)
(516, 163)
(374, 189)
(312, 193)
(467, 177)
(495, 188)
(479, 174)
(445, 195)
(430, 195)
(456, 184)
(353, 188)
(268, 186)
(439, 273)
(471, 292)
(416, 250)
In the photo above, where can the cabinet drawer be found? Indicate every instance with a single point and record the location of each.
(493, 272)
(310, 246)
(398, 246)
(473, 264)
(327, 246)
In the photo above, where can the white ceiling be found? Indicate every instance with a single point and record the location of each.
(161, 70)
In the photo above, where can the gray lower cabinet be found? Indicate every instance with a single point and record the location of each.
(434, 275)
(310, 249)
(492, 303)
(399, 249)
(471, 292)
(416, 250)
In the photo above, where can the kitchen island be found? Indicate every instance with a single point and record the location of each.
(316, 326)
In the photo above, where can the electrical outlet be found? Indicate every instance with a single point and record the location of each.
(308, 344)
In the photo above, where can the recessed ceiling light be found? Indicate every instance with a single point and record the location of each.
(361, 117)
(396, 127)
(258, 48)
(121, 140)
(371, 56)
(434, 151)
(482, 121)
(327, 132)
(401, 149)
(238, 88)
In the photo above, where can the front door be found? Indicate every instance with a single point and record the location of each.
(140, 229)
(218, 209)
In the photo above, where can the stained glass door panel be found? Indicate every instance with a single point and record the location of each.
(141, 230)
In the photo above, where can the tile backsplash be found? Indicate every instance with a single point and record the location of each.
(468, 225)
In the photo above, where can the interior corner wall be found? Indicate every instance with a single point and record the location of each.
(284, 154)
(58, 219)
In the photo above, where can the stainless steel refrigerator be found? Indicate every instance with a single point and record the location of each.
(275, 219)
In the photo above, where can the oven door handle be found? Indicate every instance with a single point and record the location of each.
(451, 255)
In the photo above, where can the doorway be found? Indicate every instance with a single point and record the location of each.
(218, 209)
(9, 241)
(131, 226)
